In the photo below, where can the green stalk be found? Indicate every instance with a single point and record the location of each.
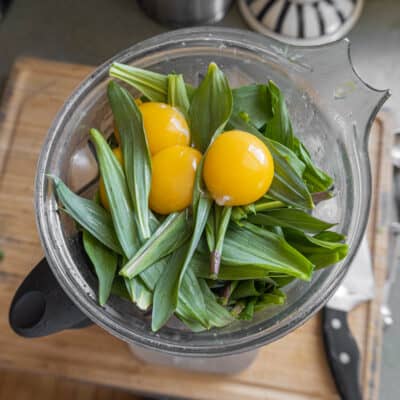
(222, 218)
(268, 205)
(239, 213)
(227, 293)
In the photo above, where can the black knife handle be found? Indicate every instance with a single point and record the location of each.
(342, 352)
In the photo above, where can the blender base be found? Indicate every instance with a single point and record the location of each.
(221, 365)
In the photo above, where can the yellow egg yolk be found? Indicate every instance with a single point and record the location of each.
(165, 126)
(102, 189)
(238, 168)
(138, 102)
(173, 174)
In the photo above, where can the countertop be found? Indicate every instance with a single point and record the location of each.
(90, 31)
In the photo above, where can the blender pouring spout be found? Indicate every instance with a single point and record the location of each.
(346, 94)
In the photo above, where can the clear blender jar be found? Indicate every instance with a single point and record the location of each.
(332, 110)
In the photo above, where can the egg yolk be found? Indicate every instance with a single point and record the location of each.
(102, 189)
(238, 168)
(138, 102)
(165, 126)
(173, 174)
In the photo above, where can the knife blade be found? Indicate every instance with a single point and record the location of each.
(340, 346)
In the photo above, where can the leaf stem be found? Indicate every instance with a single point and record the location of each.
(268, 205)
(321, 196)
(238, 308)
(227, 292)
(222, 218)
(239, 213)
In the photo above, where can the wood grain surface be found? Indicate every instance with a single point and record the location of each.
(293, 368)
(17, 385)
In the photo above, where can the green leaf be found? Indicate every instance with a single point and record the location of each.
(222, 217)
(135, 152)
(210, 108)
(276, 297)
(317, 180)
(279, 127)
(152, 84)
(290, 218)
(143, 297)
(118, 288)
(278, 230)
(88, 214)
(266, 250)
(137, 291)
(177, 94)
(322, 260)
(330, 236)
(320, 252)
(104, 262)
(202, 211)
(283, 280)
(151, 275)
(194, 326)
(248, 311)
(174, 275)
(255, 101)
(217, 315)
(309, 244)
(191, 294)
(170, 235)
(287, 186)
(166, 292)
(118, 195)
(186, 316)
(245, 289)
(129, 289)
(290, 156)
(201, 266)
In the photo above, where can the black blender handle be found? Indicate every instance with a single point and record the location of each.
(40, 307)
(342, 353)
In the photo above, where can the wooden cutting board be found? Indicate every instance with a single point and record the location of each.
(293, 368)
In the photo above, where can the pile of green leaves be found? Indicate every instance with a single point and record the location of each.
(209, 264)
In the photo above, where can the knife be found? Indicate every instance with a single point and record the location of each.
(340, 346)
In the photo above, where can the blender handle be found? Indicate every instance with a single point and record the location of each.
(40, 306)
